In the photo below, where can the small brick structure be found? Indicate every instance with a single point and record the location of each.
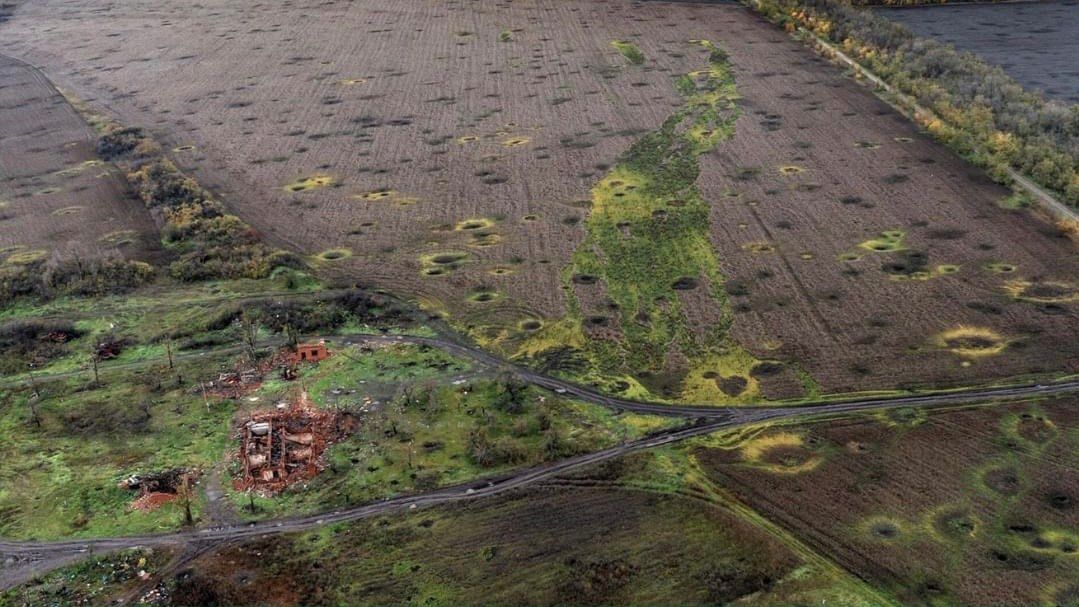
(312, 353)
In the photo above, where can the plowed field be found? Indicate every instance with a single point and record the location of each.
(57, 198)
(452, 152)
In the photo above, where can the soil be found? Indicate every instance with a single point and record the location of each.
(57, 199)
(469, 129)
(148, 502)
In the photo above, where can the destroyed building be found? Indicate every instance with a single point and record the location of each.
(276, 449)
(312, 352)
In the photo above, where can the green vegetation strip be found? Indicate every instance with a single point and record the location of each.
(629, 51)
(648, 229)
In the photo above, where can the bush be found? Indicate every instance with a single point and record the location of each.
(211, 243)
(98, 276)
(119, 142)
(33, 341)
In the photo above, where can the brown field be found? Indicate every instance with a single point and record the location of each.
(970, 507)
(553, 546)
(479, 129)
(57, 199)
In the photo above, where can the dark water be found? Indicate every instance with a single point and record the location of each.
(1036, 43)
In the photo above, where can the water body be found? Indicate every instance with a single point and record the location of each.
(1037, 43)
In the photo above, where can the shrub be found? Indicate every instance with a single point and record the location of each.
(33, 341)
(118, 142)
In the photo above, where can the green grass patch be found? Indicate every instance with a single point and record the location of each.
(647, 238)
(629, 51)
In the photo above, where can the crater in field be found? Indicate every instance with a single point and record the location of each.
(473, 224)
(904, 416)
(1043, 292)
(530, 325)
(379, 194)
(955, 523)
(1003, 480)
(889, 241)
(513, 142)
(1034, 428)
(303, 184)
(883, 530)
(27, 257)
(334, 254)
(767, 368)
(732, 385)
(972, 342)
(1059, 499)
(685, 283)
(120, 238)
(585, 279)
(1019, 560)
(907, 264)
(439, 264)
(483, 295)
(484, 239)
(781, 452)
(999, 267)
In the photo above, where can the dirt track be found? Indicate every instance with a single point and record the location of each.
(24, 560)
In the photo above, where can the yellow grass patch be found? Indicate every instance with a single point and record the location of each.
(477, 223)
(759, 247)
(1050, 291)
(759, 449)
(27, 257)
(972, 342)
(120, 237)
(513, 142)
(320, 180)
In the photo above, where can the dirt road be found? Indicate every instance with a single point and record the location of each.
(22, 561)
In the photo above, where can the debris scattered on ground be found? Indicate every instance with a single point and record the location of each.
(286, 445)
(109, 348)
(148, 502)
(157, 488)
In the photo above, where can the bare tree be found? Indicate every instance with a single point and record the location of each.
(249, 327)
(185, 497)
(93, 362)
(168, 348)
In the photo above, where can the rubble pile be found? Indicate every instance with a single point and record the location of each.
(284, 446)
(157, 488)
